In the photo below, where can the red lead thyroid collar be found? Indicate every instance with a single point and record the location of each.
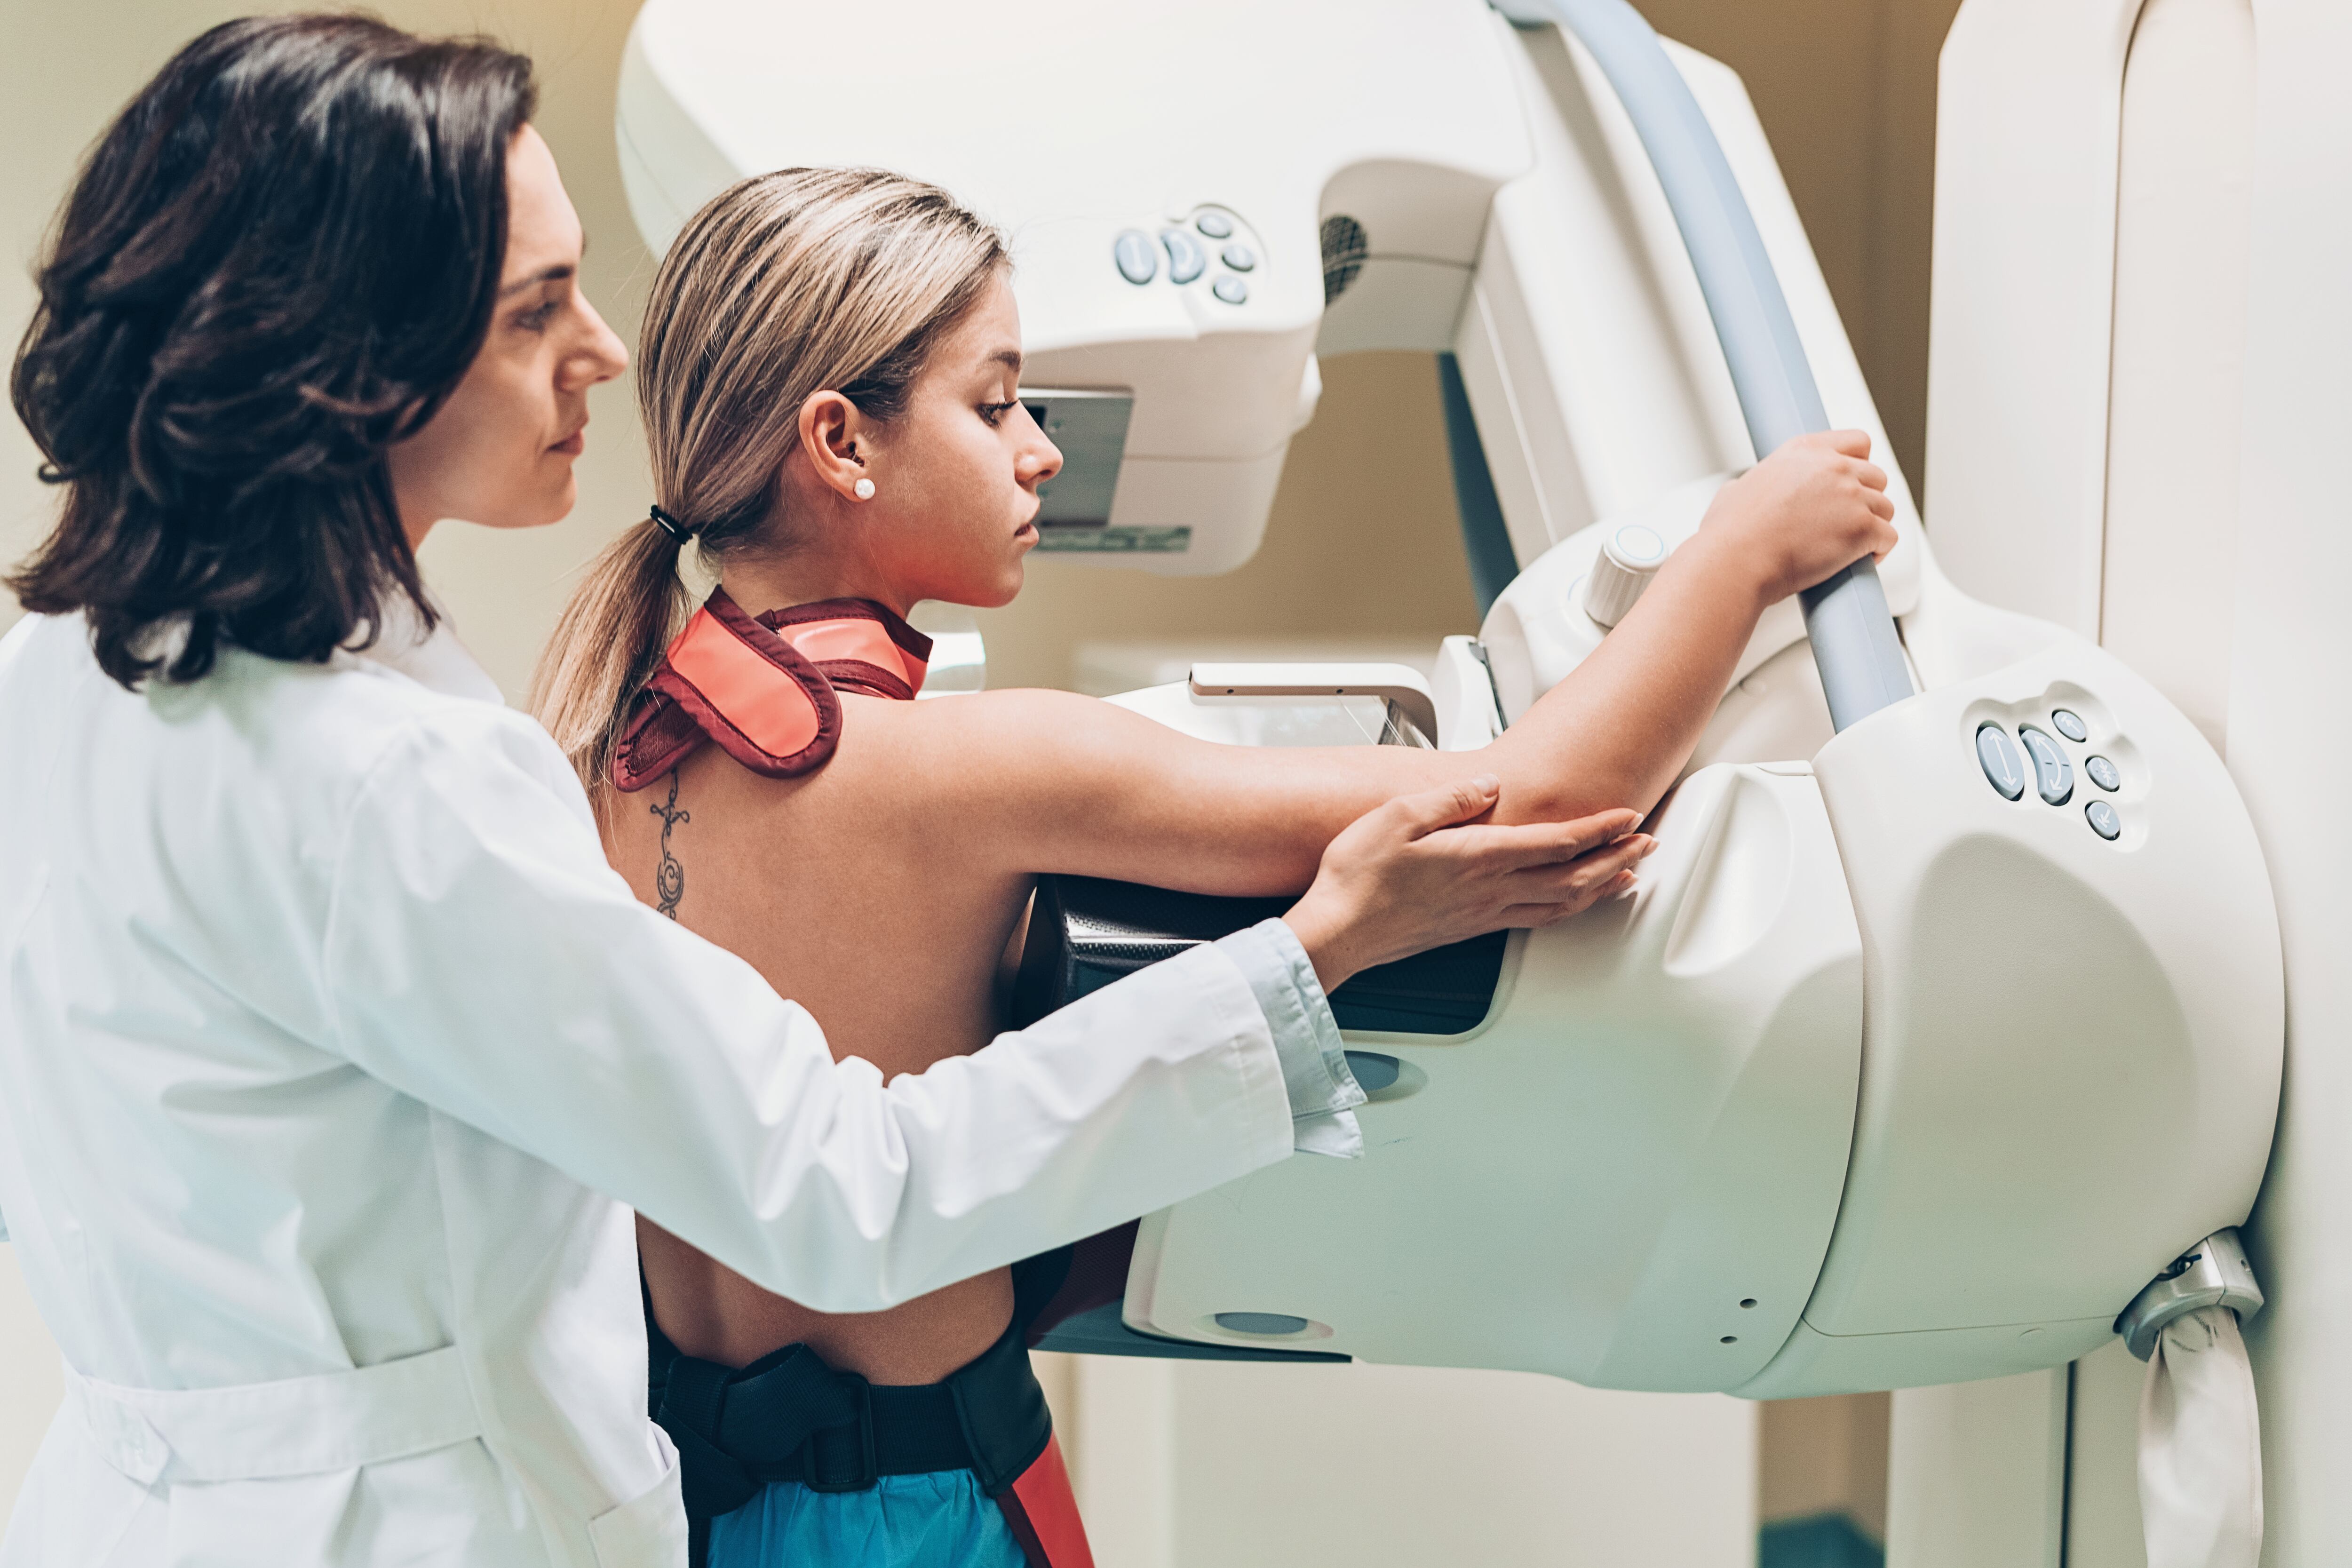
(764, 688)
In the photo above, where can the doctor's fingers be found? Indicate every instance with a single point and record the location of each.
(1545, 843)
(1537, 842)
(1536, 916)
(1425, 812)
(1581, 878)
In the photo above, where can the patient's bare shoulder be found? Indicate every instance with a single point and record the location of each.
(1030, 737)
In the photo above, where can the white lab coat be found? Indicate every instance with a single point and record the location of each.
(330, 1051)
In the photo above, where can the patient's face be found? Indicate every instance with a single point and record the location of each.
(958, 495)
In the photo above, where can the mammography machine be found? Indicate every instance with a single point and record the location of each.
(1949, 1014)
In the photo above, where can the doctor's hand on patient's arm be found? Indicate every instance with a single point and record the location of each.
(1409, 876)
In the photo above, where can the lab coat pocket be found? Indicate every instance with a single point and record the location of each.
(649, 1529)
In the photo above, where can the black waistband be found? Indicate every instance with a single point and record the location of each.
(789, 1416)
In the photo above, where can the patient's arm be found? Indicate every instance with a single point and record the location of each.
(1099, 790)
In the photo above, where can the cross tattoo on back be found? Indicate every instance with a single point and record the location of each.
(669, 880)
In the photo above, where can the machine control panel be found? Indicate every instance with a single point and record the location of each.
(1184, 240)
(2044, 763)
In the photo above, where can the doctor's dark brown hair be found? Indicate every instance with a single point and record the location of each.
(277, 261)
(783, 286)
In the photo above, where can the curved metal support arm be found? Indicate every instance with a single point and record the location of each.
(1846, 617)
(2213, 1273)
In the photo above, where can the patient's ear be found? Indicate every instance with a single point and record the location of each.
(839, 442)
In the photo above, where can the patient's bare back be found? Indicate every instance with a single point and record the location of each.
(855, 891)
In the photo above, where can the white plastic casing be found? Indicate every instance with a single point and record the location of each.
(1402, 109)
(2072, 1047)
(2067, 1052)
(1510, 215)
(1650, 1129)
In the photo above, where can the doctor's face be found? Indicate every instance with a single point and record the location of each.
(499, 452)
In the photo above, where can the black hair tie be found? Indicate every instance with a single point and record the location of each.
(671, 525)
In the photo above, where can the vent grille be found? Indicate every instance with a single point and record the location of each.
(1344, 249)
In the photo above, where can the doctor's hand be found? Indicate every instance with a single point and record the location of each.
(1408, 876)
(1812, 509)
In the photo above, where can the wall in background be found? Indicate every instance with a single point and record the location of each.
(1824, 1457)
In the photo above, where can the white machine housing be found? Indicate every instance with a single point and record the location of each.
(1882, 1079)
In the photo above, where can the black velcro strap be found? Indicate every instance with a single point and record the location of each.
(1000, 1408)
(687, 1406)
(788, 1416)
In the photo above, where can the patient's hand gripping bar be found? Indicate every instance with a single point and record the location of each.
(1852, 632)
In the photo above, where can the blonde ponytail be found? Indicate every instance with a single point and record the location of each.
(785, 285)
(606, 645)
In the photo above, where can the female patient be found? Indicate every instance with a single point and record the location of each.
(828, 376)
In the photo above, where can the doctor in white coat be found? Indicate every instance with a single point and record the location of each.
(332, 1055)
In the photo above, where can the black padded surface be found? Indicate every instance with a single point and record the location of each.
(1086, 932)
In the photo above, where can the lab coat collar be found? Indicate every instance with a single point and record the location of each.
(435, 659)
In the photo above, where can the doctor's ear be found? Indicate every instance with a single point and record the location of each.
(837, 439)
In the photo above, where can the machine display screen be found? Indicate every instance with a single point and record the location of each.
(1090, 427)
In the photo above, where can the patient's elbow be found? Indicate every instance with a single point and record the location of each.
(1573, 799)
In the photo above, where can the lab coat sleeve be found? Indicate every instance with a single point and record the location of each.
(480, 956)
(1323, 1091)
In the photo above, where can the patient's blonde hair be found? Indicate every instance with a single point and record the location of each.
(785, 285)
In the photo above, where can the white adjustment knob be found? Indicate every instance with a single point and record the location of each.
(1629, 558)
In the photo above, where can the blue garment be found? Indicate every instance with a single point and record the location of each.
(938, 1520)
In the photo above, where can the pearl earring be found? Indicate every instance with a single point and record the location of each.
(863, 490)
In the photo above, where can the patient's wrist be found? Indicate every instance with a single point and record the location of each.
(1325, 941)
(1736, 562)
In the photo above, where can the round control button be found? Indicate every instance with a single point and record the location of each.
(2104, 774)
(1229, 288)
(1138, 261)
(2054, 775)
(1629, 558)
(2070, 725)
(2103, 819)
(1186, 259)
(1997, 754)
(1238, 256)
(1214, 224)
